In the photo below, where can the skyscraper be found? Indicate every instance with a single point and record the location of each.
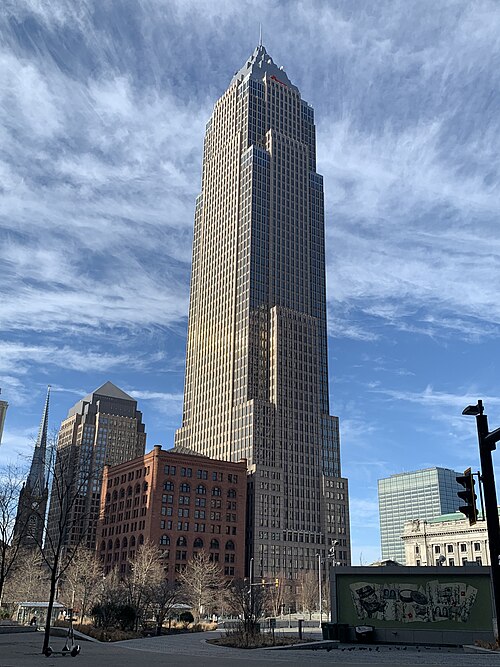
(421, 494)
(3, 411)
(256, 363)
(32, 505)
(104, 428)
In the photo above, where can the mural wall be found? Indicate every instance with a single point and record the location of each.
(432, 602)
(414, 598)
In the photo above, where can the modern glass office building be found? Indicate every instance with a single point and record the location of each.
(256, 364)
(422, 494)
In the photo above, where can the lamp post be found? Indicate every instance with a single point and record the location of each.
(320, 591)
(487, 443)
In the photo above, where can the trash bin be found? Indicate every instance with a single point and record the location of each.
(329, 630)
(364, 633)
(343, 632)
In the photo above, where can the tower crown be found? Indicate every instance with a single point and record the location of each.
(261, 64)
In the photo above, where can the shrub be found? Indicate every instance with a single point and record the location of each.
(186, 618)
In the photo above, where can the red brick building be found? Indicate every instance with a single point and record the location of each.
(180, 501)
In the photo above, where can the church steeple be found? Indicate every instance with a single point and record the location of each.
(37, 478)
(32, 505)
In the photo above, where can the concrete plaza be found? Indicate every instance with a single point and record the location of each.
(192, 650)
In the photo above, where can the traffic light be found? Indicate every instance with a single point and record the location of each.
(277, 583)
(468, 496)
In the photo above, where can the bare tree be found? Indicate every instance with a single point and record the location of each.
(146, 570)
(276, 595)
(248, 602)
(112, 600)
(308, 592)
(28, 579)
(67, 523)
(161, 597)
(325, 593)
(199, 581)
(10, 486)
(80, 586)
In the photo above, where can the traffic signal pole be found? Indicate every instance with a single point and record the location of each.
(487, 443)
(490, 506)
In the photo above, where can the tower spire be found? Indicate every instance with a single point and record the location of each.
(260, 34)
(37, 476)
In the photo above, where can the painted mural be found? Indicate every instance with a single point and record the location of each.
(407, 603)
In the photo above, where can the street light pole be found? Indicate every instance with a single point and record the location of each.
(487, 443)
(251, 587)
(320, 591)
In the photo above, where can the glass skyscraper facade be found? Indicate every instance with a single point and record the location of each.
(256, 383)
(422, 494)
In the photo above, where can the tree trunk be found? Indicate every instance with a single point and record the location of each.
(52, 595)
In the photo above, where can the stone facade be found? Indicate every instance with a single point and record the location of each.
(445, 540)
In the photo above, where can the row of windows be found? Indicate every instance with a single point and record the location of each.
(200, 489)
(197, 544)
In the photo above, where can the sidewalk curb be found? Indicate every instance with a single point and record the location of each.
(470, 648)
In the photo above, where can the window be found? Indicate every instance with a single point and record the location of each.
(164, 540)
(214, 544)
(168, 486)
(216, 491)
(451, 562)
(230, 545)
(449, 548)
(201, 490)
(231, 493)
(198, 543)
(463, 547)
(437, 549)
(479, 560)
(182, 542)
(477, 546)
(169, 470)
(185, 488)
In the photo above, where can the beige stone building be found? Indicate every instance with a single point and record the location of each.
(256, 383)
(445, 540)
(104, 428)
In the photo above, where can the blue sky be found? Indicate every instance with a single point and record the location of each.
(103, 106)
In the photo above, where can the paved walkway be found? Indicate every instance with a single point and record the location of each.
(191, 650)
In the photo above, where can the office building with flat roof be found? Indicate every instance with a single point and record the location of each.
(409, 495)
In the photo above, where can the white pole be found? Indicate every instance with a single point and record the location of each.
(319, 589)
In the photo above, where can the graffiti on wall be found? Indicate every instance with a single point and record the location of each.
(407, 603)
